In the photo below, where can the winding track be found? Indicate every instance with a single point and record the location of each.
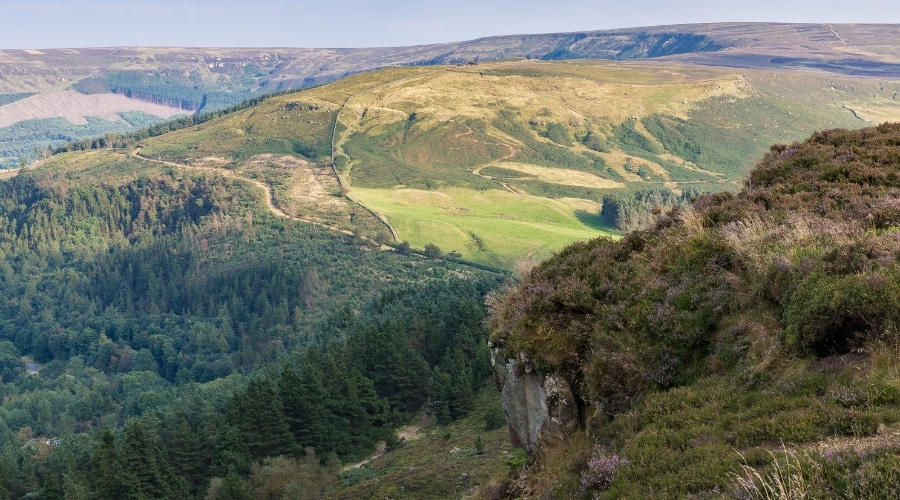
(477, 170)
(270, 200)
(345, 189)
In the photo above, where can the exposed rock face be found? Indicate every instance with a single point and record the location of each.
(538, 406)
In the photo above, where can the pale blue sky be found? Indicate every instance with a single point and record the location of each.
(368, 23)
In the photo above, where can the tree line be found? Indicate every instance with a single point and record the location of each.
(130, 139)
(631, 211)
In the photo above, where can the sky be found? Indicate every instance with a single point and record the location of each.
(36, 24)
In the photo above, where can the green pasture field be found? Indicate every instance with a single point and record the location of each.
(494, 227)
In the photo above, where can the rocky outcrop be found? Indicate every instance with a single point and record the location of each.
(539, 407)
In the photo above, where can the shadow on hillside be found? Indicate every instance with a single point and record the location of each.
(592, 220)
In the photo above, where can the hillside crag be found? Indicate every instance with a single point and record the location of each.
(539, 407)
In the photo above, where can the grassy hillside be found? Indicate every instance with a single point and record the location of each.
(437, 461)
(745, 344)
(504, 161)
(210, 79)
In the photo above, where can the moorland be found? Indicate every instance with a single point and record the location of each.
(52, 95)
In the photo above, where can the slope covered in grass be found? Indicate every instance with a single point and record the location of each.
(466, 458)
(553, 137)
(746, 340)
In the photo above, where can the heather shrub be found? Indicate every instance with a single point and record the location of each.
(861, 473)
(600, 470)
(766, 316)
(833, 313)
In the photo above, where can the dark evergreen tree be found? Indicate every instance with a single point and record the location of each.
(304, 396)
(52, 490)
(258, 414)
(145, 471)
(187, 454)
(232, 452)
(385, 356)
(234, 488)
(107, 476)
(358, 415)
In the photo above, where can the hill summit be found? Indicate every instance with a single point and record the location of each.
(744, 344)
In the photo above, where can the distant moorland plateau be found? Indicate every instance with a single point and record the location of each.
(189, 80)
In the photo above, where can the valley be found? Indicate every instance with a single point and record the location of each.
(672, 250)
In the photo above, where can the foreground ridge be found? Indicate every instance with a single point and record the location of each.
(750, 319)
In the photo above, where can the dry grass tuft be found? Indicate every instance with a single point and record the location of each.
(785, 481)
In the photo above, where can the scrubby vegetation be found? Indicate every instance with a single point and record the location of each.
(439, 461)
(744, 343)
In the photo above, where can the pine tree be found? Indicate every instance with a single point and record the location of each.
(52, 490)
(232, 453)
(186, 455)
(299, 394)
(306, 396)
(358, 413)
(259, 416)
(107, 475)
(146, 474)
(233, 488)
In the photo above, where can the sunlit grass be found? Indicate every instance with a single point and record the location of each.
(510, 227)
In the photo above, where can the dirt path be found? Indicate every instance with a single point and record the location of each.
(270, 201)
(477, 170)
(9, 173)
(335, 144)
(346, 189)
(406, 433)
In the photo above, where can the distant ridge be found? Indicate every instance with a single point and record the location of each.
(192, 80)
(839, 48)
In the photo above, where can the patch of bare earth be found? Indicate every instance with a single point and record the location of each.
(886, 438)
(406, 433)
(210, 162)
(301, 188)
(75, 108)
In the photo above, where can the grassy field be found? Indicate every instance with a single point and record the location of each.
(495, 227)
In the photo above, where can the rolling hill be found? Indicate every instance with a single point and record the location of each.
(510, 160)
(189, 80)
